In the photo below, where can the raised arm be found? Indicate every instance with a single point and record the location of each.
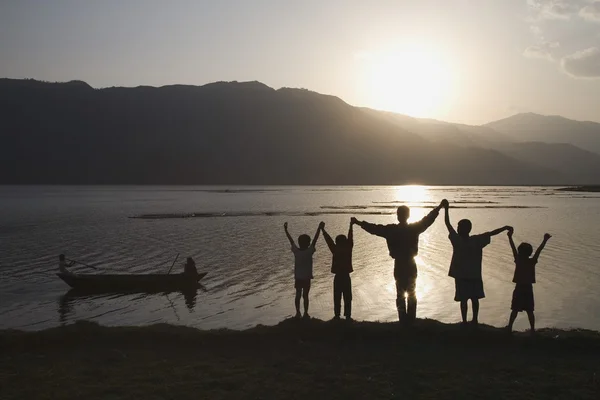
(429, 219)
(373, 229)
(446, 206)
(321, 227)
(328, 240)
(547, 237)
(287, 233)
(497, 231)
(350, 230)
(512, 242)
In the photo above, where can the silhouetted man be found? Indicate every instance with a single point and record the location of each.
(403, 244)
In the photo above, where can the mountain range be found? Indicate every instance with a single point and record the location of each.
(248, 133)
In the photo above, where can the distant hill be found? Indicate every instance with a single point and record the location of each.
(238, 133)
(574, 164)
(445, 132)
(531, 127)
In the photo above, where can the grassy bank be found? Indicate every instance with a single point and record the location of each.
(298, 359)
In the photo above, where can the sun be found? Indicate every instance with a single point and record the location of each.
(412, 80)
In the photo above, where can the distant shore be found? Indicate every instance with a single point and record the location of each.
(299, 359)
(585, 188)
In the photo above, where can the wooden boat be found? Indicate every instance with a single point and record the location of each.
(116, 283)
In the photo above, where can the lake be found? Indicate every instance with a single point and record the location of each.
(236, 235)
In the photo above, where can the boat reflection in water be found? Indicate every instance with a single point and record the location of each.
(131, 283)
(68, 301)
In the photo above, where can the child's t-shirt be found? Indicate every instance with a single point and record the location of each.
(342, 258)
(524, 270)
(303, 262)
(467, 256)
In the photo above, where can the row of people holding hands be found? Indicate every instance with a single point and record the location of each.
(402, 241)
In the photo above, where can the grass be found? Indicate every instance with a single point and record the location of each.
(298, 359)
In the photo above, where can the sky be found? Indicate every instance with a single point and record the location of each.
(467, 61)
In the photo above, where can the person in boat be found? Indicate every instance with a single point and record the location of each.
(341, 267)
(63, 264)
(303, 266)
(466, 263)
(190, 268)
(403, 244)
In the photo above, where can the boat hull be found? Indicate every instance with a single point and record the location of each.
(118, 283)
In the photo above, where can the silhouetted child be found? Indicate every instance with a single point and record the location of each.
(62, 264)
(341, 266)
(465, 267)
(303, 266)
(524, 278)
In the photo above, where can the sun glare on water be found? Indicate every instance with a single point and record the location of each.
(413, 80)
(412, 195)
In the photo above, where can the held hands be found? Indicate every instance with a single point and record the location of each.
(353, 221)
(547, 236)
(322, 225)
(510, 232)
(445, 204)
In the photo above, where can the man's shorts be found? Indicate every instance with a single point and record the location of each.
(405, 274)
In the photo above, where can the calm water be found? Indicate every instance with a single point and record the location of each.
(236, 236)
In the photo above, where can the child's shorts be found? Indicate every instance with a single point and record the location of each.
(468, 289)
(302, 284)
(522, 299)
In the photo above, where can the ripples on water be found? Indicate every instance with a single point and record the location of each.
(236, 235)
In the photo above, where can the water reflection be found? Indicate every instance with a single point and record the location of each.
(412, 193)
(68, 301)
(65, 309)
(191, 295)
(259, 293)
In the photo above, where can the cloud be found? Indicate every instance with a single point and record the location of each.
(554, 9)
(583, 64)
(591, 12)
(542, 50)
(536, 30)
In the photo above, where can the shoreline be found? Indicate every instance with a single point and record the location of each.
(304, 326)
(299, 358)
(581, 188)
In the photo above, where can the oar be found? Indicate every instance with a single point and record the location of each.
(174, 261)
(86, 265)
